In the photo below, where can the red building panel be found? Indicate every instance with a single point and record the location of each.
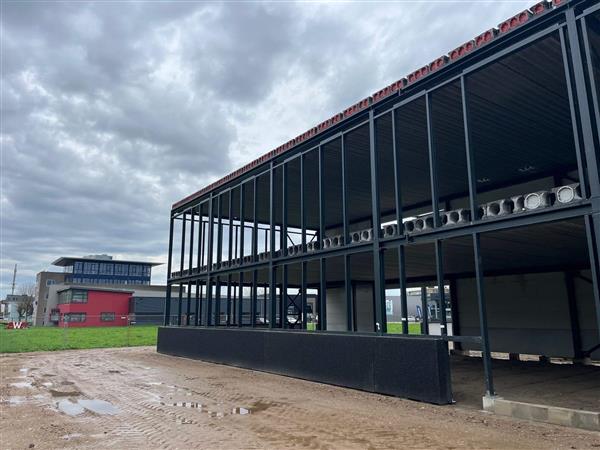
(98, 302)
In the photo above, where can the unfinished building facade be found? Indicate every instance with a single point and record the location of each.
(473, 182)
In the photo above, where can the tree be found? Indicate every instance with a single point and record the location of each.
(25, 307)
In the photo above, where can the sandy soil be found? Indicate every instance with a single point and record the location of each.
(136, 398)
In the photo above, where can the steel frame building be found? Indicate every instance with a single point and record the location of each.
(345, 210)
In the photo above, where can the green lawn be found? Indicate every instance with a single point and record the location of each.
(393, 328)
(53, 338)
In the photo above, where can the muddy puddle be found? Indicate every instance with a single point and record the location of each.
(96, 406)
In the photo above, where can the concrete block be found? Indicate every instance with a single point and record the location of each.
(538, 200)
(561, 416)
(569, 193)
(588, 420)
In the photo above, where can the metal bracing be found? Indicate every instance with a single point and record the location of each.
(485, 341)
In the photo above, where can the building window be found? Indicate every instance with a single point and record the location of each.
(121, 269)
(50, 282)
(78, 268)
(107, 317)
(90, 268)
(73, 296)
(74, 317)
(106, 269)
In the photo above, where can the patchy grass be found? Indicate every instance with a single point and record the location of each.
(396, 328)
(53, 338)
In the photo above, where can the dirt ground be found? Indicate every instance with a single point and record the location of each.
(136, 398)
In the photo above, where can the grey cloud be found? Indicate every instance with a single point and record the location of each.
(112, 111)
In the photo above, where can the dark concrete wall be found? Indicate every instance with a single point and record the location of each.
(416, 368)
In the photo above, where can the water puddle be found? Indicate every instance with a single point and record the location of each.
(47, 384)
(96, 406)
(70, 408)
(184, 404)
(15, 400)
(66, 383)
(68, 437)
(99, 406)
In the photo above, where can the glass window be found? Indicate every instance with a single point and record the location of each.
(107, 317)
(121, 269)
(106, 269)
(90, 268)
(74, 317)
(78, 268)
(50, 282)
(72, 296)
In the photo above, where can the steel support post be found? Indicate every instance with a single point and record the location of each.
(209, 295)
(345, 191)
(210, 226)
(380, 316)
(574, 119)
(201, 302)
(284, 299)
(402, 283)
(471, 177)
(593, 233)
(439, 268)
(255, 226)
(219, 232)
(167, 319)
(272, 293)
(485, 342)
(228, 322)
(454, 312)
(322, 324)
(230, 234)
(433, 173)
(591, 158)
(302, 204)
(254, 297)
(240, 310)
(348, 294)
(180, 305)
(303, 294)
(284, 211)
(192, 229)
(188, 311)
(218, 301)
(590, 70)
(425, 313)
(182, 255)
(197, 314)
(200, 238)
(242, 220)
(397, 178)
(573, 315)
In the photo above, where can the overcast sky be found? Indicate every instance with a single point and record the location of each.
(112, 111)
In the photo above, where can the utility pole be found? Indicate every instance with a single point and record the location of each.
(14, 280)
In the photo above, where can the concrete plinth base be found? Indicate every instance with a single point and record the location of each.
(588, 420)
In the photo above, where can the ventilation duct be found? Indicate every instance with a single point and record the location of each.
(355, 237)
(366, 235)
(456, 217)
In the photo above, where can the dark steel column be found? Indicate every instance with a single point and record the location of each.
(254, 216)
(242, 221)
(197, 315)
(201, 301)
(284, 297)
(217, 301)
(345, 191)
(228, 321)
(302, 205)
(397, 177)
(208, 301)
(439, 262)
(573, 315)
(241, 301)
(593, 233)
(284, 211)
(380, 316)
(433, 175)
(192, 229)
(219, 232)
(167, 319)
(230, 237)
(322, 324)
(181, 265)
(348, 294)
(303, 294)
(180, 305)
(402, 285)
(485, 342)
(455, 312)
(254, 297)
(472, 178)
(272, 293)
(200, 238)
(189, 304)
(425, 313)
